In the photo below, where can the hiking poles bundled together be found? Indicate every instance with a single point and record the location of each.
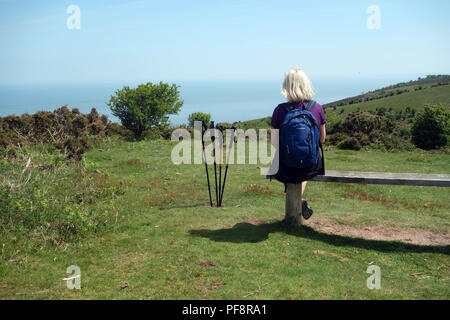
(221, 187)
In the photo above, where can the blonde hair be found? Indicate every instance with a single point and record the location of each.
(297, 86)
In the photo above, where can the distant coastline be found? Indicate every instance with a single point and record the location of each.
(226, 100)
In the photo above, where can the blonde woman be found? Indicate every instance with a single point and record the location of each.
(298, 90)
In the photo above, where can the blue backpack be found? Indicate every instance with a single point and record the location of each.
(299, 138)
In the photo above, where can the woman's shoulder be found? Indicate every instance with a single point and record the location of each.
(283, 105)
(317, 106)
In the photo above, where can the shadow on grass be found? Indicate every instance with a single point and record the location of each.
(247, 232)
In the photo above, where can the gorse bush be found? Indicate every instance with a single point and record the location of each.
(349, 143)
(67, 130)
(365, 123)
(360, 129)
(431, 127)
(145, 107)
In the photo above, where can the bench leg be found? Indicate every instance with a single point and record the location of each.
(293, 205)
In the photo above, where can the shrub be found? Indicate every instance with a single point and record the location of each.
(369, 129)
(336, 138)
(225, 125)
(64, 129)
(155, 133)
(199, 116)
(113, 129)
(333, 121)
(350, 143)
(431, 127)
(147, 106)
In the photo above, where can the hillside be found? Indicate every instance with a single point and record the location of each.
(397, 89)
(416, 99)
(413, 95)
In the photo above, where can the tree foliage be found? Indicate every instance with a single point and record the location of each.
(431, 127)
(145, 107)
(199, 116)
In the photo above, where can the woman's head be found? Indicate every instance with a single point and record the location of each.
(297, 86)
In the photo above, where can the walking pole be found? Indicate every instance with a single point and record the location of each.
(220, 162)
(233, 128)
(213, 138)
(206, 165)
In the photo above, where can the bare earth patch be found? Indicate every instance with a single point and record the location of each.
(380, 232)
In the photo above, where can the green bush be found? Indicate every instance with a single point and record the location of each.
(199, 116)
(351, 143)
(431, 127)
(115, 129)
(147, 106)
(335, 138)
(333, 121)
(361, 129)
(225, 125)
(155, 133)
(68, 130)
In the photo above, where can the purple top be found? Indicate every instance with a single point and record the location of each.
(280, 112)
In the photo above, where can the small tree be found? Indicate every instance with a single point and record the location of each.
(431, 127)
(199, 116)
(147, 106)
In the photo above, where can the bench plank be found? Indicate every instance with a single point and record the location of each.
(406, 179)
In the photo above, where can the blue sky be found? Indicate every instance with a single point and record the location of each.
(223, 40)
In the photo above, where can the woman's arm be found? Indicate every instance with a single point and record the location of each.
(274, 137)
(323, 133)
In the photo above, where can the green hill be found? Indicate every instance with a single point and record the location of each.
(412, 99)
(397, 89)
(413, 95)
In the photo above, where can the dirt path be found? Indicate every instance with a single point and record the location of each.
(380, 232)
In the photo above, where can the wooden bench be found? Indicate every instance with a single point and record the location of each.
(293, 191)
(404, 179)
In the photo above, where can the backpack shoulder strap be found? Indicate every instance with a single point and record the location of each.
(310, 105)
(287, 106)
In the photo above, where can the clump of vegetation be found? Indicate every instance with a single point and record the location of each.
(52, 201)
(349, 143)
(199, 116)
(156, 133)
(333, 120)
(224, 125)
(68, 130)
(360, 129)
(431, 127)
(146, 107)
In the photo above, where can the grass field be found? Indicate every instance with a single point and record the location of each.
(164, 241)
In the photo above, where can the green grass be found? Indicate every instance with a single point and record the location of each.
(166, 243)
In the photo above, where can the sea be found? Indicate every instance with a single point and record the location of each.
(226, 101)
